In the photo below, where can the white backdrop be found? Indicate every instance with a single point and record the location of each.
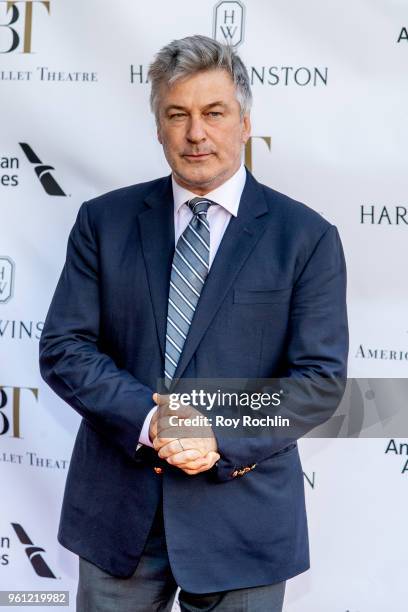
(330, 91)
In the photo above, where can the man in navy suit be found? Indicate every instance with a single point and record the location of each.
(204, 274)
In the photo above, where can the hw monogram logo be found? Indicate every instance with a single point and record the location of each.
(16, 17)
(6, 279)
(229, 22)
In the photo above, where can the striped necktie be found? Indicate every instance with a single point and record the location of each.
(188, 274)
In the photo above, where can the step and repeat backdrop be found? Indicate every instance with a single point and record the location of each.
(329, 129)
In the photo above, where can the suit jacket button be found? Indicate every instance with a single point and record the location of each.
(158, 470)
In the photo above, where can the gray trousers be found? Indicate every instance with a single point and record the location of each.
(152, 587)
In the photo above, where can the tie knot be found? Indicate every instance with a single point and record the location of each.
(199, 205)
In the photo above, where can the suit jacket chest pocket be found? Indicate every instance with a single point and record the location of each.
(269, 297)
(256, 306)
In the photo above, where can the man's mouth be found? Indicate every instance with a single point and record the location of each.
(197, 155)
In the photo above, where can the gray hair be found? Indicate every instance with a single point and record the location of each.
(187, 56)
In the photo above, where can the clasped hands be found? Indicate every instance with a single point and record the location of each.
(190, 453)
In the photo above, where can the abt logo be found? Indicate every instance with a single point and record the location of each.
(10, 408)
(19, 27)
(33, 553)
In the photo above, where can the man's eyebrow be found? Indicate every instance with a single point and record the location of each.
(174, 107)
(218, 103)
(183, 108)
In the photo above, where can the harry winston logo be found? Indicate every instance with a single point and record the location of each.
(6, 279)
(229, 17)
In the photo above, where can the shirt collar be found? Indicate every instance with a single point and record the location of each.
(226, 195)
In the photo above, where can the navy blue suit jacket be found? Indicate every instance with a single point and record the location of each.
(273, 305)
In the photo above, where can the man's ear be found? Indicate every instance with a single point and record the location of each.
(159, 138)
(246, 128)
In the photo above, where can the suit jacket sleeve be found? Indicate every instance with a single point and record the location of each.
(110, 399)
(316, 357)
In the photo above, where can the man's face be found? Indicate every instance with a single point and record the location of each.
(201, 129)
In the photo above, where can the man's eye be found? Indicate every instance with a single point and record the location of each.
(177, 115)
(215, 114)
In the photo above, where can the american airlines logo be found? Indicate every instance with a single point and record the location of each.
(43, 172)
(33, 553)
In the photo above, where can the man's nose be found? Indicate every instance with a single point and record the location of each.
(196, 130)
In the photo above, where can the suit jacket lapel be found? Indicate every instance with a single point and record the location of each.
(157, 237)
(241, 236)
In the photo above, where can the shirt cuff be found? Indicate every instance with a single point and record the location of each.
(144, 434)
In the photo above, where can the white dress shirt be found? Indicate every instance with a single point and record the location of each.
(228, 196)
